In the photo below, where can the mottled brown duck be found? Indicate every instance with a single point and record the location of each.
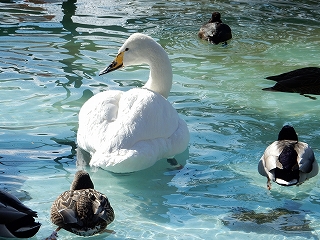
(81, 210)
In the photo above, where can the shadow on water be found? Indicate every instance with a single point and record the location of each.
(284, 221)
(72, 46)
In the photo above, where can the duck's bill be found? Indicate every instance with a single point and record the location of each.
(116, 64)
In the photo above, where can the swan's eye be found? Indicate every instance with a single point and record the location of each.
(127, 49)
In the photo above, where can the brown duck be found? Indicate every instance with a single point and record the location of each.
(81, 210)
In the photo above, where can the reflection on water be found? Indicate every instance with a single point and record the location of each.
(286, 222)
(50, 55)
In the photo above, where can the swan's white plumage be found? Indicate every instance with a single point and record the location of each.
(130, 131)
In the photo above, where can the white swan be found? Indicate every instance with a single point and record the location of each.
(130, 131)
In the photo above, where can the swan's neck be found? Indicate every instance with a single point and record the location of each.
(160, 78)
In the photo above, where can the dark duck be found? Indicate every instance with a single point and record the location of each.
(215, 31)
(81, 210)
(16, 219)
(303, 80)
(287, 161)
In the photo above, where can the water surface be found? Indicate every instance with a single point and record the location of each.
(50, 55)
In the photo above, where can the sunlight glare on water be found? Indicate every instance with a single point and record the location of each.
(51, 52)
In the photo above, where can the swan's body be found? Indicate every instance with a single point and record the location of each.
(288, 161)
(215, 31)
(16, 220)
(303, 80)
(130, 131)
(81, 210)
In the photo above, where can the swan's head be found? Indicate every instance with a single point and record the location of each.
(135, 51)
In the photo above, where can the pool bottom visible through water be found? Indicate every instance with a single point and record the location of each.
(51, 53)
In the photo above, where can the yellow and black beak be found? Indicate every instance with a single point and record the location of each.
(116, 64)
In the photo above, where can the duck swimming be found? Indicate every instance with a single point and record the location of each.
(215, 31)
(129, 131)
(81, 210)
(303, 80)
(287, 161)
(16, 219)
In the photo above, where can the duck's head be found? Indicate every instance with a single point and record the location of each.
(82, 180)
(134, 51)
(287, 133)
(215, 17)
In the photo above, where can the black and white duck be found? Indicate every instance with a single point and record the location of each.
(303, 80)
(16, 219)
(215, 31)
(287, 161)
(81, 210)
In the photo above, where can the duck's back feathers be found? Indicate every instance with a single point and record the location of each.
(308, 165)
(82, 210)
(287, 170)
(16, 219)
(307, 84)
(10, 200)
(295, 73)
(215, 31)
(288, 157)
(307, 158)
(303, 81)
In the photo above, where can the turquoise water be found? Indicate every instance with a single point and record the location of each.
(50, 55)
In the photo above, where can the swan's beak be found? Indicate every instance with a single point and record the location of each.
(117, 63)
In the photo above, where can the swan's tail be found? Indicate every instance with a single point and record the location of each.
(124, 161)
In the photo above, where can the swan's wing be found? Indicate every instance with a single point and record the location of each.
(94, 117)
(142, 115)
(147, 129)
